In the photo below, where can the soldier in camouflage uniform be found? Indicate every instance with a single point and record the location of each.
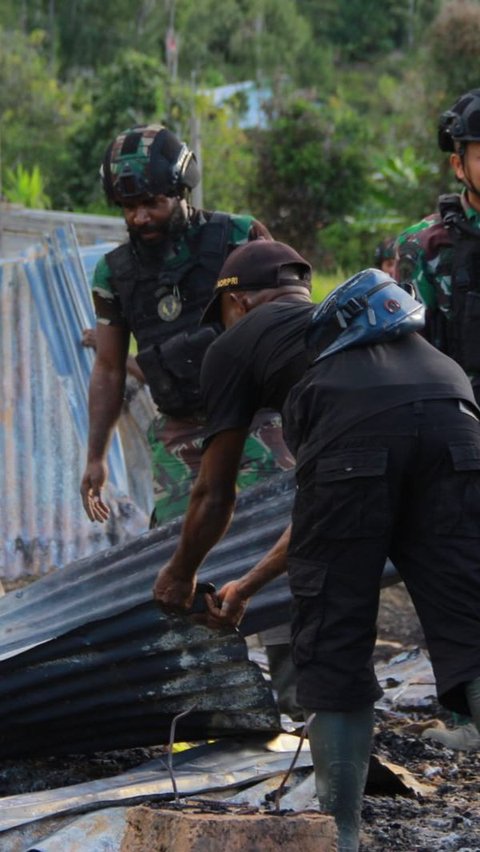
(156, 286)
(384, 256)
(440, 256)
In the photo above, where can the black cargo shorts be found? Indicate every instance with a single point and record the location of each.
(404, 484)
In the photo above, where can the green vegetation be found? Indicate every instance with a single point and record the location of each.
(352, 93)
(26, 188)
(322, 284)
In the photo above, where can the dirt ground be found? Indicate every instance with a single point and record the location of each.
(448, 818)
(445, 818)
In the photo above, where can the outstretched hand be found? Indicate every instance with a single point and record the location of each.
(93, 481)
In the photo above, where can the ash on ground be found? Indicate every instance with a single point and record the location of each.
(445, 817)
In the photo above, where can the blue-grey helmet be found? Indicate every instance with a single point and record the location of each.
(368, 308)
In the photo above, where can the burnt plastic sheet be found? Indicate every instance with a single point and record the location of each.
(122, 577)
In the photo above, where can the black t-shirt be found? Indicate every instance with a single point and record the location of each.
(254, 364)
(354, 384)
(261, 362)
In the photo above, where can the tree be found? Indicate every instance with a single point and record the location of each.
(227, 159)
(35, 110)
(454, 39)
(363, 30)
(81, 35)
(244, 38)
(311, 169)
(125, 93)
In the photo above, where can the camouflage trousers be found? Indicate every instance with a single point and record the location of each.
(176, 448)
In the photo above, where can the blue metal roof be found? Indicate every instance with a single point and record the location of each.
(255, 97)
(44, 305)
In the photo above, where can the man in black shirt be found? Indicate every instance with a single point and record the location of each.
(387, 439)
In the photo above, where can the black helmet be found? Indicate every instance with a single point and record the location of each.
(461, 123)
(147, 160)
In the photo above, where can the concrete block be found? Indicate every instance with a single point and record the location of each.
(184, 830)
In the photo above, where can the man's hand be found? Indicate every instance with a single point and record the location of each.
(93, 481)
(227, 607)
(89, 338)
(173, 593)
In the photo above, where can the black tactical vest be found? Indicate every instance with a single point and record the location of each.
(461, 331)
(170, 347)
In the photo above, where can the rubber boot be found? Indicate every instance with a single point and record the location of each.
(340, 744)
(463, 738)
(472, 691)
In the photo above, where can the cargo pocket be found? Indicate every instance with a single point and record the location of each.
(351, 494)
(307, 582)
(457, 504)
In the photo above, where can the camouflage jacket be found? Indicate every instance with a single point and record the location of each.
(428, 260)
(424, 258)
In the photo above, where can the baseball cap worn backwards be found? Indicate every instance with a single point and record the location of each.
(258, 265)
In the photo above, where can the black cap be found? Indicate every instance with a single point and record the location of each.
(258, 265)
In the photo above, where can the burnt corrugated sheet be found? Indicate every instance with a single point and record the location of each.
(90, 662)
(44, 304)
(120, 681)
(122, 577)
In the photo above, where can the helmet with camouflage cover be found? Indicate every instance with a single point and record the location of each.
(147, 160)
(461, 123)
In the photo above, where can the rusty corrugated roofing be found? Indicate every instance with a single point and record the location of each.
(44, 304)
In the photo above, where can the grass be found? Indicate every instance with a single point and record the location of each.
(323, 284)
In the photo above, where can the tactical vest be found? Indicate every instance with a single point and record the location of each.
(461, 330)
(171, 347)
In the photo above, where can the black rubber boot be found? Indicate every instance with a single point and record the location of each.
(340, 744)
(472, 691)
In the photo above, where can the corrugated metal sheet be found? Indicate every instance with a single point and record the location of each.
(120, 681)
(101, 831)
(89, 661)
(21, 227)
(217, 766)
(44, 304)
(122, 577)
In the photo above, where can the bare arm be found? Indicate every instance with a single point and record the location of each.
(89, 340)
(105, 402)
(208, 516)
(230, 603)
